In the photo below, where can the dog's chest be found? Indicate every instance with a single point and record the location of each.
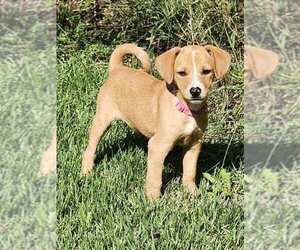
(190, 132)
(189, 126)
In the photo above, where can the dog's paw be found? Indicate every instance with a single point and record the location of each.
(85, 172)
(152, 194)
(86, 168)
(190, 187)
(87, 164)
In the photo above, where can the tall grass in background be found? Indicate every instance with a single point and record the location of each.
(157, 24)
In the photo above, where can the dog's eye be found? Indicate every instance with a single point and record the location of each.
(206, 71)
(181, 73)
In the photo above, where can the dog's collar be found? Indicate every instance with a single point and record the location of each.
(184, 108)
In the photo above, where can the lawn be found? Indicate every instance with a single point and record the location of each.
(108, 210)
(238, 205)
(27, 115)
(272, 131)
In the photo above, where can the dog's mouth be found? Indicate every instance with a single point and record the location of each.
(196, 100)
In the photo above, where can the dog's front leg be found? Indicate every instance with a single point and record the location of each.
(157, 152)
(190, 167)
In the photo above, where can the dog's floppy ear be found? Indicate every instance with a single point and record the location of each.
(222, 60)
(260, 62)
(165, 64)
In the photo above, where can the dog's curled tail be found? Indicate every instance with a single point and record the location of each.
(116, 59)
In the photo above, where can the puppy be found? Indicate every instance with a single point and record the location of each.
(169, 112)
(259, 63)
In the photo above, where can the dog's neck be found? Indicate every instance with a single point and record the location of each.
(184, 108)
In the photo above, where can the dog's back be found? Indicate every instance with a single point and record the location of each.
(141, 88)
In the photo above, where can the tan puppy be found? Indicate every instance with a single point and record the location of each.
(259, 63)
(168, 112)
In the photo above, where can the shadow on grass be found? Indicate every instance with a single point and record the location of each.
(211, 156)
(129, 142)
(271, 155)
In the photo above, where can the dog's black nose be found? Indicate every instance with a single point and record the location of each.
(195, 92)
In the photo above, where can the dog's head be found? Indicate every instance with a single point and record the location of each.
(193, 69)
(259, 63)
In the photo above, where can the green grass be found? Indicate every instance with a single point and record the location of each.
(27, 115)
(27, 211)
(272, 129)
(109, 209)
(272, 208)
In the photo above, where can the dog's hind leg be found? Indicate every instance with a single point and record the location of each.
(102, 120)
